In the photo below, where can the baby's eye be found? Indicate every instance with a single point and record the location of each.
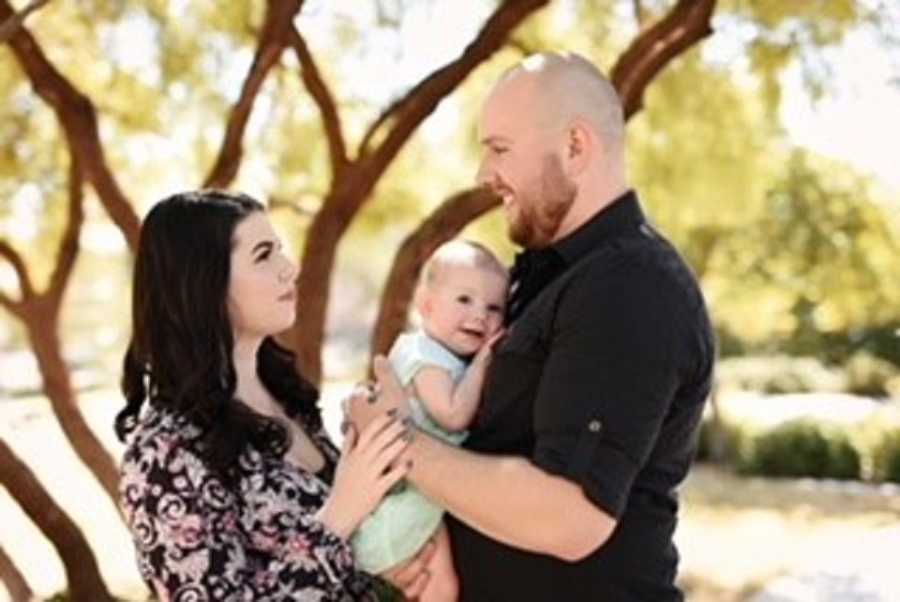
(464, 299)
(263, 256)
(495, 309)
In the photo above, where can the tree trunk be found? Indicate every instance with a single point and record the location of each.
(313, 286)
(45, 343)
(446, 222)
(14, 580)
(82, 572)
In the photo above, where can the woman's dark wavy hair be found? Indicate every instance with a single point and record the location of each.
(180, 353)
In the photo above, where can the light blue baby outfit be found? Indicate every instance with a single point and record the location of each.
(404, 520)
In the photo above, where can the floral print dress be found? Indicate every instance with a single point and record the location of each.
(199, 541)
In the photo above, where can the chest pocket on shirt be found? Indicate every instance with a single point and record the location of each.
(524, 339)
(512, 381)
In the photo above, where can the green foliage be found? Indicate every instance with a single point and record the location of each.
(866, 449)
(862, 373)
(778, 374)
(870, 375)
(793, 31)
(810, 264)
(886, 457)
(718, 440)
(800, 448)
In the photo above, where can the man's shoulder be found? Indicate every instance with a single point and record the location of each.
(635, 275)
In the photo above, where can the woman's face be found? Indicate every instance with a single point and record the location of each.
(261, 289)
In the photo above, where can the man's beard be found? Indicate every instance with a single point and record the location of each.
(540, 209)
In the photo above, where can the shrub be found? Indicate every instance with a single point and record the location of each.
(718, 441)
(869, 375)
(800, 448)
(779, 374)
(886, 457)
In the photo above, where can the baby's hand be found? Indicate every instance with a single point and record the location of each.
(487, 348)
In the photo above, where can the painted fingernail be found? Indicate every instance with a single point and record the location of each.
(407, 421)
(393, 412)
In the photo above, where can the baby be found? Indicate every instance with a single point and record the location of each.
(460, 300)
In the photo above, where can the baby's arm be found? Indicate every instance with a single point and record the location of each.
(453, 407)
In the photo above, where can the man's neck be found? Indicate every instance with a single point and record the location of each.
(590, 201)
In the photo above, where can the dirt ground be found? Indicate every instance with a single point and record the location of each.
(736, 535)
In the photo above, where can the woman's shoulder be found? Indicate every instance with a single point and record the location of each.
(160, 438)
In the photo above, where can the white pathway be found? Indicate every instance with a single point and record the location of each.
(864, 570)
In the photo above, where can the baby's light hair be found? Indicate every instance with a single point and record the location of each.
(460, 252)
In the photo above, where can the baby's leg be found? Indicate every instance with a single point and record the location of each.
(442, 585)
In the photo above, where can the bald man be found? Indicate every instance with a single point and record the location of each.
(588, 420)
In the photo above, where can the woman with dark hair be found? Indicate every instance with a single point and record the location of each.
(230, 486)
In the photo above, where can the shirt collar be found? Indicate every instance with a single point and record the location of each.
(619, 216)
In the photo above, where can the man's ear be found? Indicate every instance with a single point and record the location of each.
(579, 146)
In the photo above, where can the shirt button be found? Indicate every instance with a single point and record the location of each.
(595, 426)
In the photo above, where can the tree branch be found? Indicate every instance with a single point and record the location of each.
(522, 46)
(68, 249)
(686, 24)
(82, 572)
(408, 112)
(12, 577)
(318, 89)
(9, 27)
(13, 307)
(640, 14)
(78, 118)
(272, 40)
(18, 264)
(275, 203)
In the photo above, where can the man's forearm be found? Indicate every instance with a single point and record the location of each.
(509, 499)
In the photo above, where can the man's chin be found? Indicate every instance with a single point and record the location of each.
(520, 235)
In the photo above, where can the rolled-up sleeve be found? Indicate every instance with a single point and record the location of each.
(608, 381)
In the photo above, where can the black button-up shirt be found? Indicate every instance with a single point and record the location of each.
(601, 379)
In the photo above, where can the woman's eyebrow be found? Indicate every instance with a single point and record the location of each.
(265, 244)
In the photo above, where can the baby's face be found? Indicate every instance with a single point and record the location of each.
(463, 307)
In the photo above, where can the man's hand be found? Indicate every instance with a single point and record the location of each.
(412, 576)
(368, 401)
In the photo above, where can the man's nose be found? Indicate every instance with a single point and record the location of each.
(484, 176)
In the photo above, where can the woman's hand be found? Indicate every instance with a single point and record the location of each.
(368, 401)
(365, 472)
